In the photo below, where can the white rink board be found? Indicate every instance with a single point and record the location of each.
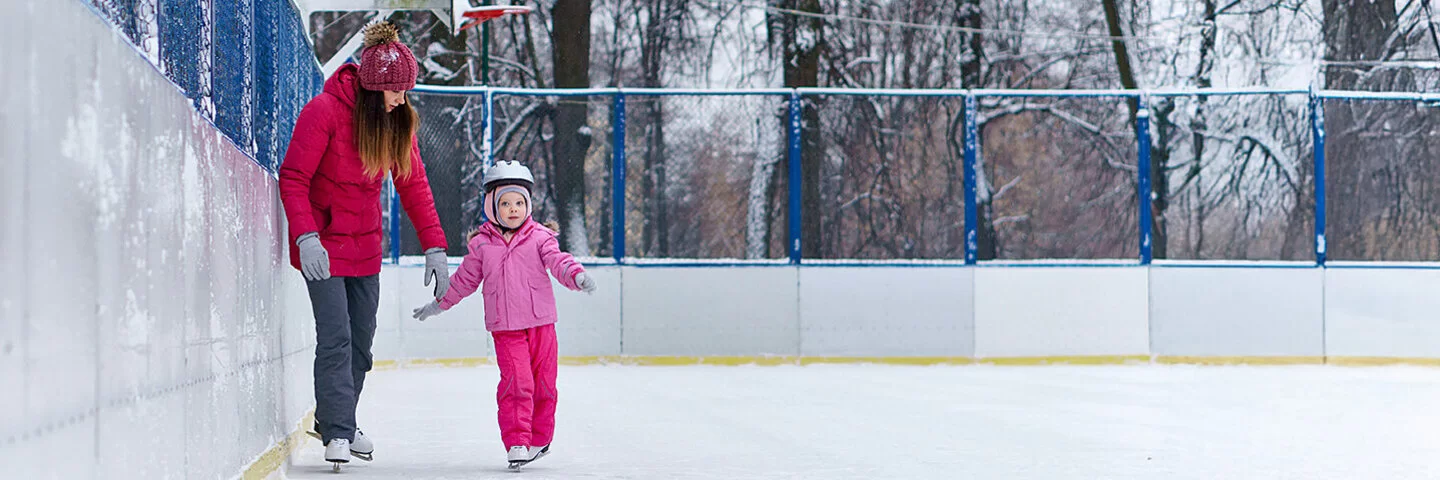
(590, 323)
(711, 311)
(456, 333)
(1382, 312)
(152, 327)
(1060, 311)
(1254, 311)
(887, 311)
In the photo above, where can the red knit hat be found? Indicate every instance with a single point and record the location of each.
(386, 64)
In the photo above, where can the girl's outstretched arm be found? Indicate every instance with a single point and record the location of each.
(562, 265)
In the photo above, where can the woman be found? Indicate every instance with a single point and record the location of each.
(346, 140)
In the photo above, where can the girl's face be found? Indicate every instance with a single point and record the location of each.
(512, 209)
(393, 99)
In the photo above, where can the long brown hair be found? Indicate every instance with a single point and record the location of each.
(384, 138)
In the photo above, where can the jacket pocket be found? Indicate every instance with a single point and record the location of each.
(491, 304)
(542, 299)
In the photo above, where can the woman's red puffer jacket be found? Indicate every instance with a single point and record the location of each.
(324, 187)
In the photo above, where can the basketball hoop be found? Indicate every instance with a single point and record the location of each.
(479, 15)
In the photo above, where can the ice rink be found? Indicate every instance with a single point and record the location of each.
(914, 422)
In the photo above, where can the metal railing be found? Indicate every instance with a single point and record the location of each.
(795, 101)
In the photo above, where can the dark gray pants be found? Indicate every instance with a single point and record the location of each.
(344, 329)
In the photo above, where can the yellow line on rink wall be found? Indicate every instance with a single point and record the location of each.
(1239, 360)
(1382, 361)
(274, 458)
(1067, 360)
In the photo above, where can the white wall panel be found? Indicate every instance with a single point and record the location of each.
(1382, 312)
(710, 311)
(1056, 311)
(1236, 311)
(887, 311)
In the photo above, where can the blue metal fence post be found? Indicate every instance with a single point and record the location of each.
(972, 141)
(1142, 128)
(795, 177)
(487, 122)
(617, 180)
(487, 144)
(1317, 127)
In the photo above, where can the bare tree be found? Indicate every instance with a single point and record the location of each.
(570, 37)
(800, 41)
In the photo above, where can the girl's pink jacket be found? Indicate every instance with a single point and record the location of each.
(517, 290)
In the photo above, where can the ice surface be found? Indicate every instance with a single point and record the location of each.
(951, 422)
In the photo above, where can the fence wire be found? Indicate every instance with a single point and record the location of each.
(245, 64)
(1056, 174)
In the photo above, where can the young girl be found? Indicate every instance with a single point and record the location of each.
(510, 255)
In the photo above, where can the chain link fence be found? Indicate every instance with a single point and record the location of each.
(1383, 179)
(245, 64)
(1239, 177)
(1059, 175)
(704, 176)
(891, 180)
(707, 173)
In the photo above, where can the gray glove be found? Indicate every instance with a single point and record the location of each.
(429, 310)
(585, 282)
(436, 266)
(314, 260)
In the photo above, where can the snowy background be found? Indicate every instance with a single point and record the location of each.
(151, 327)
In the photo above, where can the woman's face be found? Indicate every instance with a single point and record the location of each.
(393, 99)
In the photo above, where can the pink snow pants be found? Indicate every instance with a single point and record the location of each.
(526, 394)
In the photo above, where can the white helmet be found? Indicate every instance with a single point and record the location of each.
(508, 172)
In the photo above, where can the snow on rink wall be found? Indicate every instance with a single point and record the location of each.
(149, 326)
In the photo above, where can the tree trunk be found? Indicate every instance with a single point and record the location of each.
(1353, 30)
(653, 42)
(987, 242)
(445, 178)
(570, 40)
(803, 39)
(1159, 151)
(1198, 126)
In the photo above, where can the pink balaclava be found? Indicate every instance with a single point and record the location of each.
(492, 205)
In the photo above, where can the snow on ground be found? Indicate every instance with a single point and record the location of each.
(942, 422)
